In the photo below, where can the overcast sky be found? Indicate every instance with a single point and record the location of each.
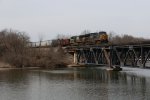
(70, 17)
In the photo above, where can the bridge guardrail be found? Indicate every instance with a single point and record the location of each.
(40, 43)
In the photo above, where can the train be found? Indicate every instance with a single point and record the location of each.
(86, 39)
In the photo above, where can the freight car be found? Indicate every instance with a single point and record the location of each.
(60, 42)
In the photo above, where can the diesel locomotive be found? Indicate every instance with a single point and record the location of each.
(86, 39)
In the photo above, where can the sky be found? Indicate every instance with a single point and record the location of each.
(47, 18)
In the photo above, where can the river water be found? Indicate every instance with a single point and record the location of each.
(75, 84)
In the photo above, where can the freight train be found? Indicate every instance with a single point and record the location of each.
(86, 39)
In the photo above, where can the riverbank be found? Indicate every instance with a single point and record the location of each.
(4, 65)
(9, 68)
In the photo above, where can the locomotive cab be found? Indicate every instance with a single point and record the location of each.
(103, 37)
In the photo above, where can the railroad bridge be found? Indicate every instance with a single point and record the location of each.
(135, 55)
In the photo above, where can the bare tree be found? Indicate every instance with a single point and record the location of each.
(125, 39)
(14, 45)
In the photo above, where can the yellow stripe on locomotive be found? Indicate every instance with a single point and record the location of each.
(103, 38)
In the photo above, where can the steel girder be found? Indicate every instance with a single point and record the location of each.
(136, 56)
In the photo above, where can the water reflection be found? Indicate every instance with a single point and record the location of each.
(72, 84)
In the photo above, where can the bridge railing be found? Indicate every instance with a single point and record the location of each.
(40, 43)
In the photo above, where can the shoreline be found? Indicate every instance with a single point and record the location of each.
(10, 68)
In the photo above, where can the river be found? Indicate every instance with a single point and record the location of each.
(75, 84)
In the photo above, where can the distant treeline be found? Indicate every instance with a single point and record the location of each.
(126, 39)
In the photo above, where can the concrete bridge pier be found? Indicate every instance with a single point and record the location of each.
(75, 58)
(122, 64)
(142, 65)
